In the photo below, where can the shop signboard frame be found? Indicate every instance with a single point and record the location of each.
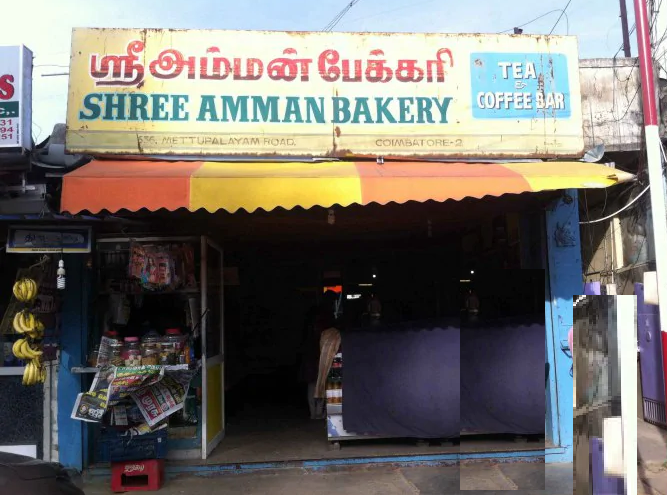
(15, 98)
(26, 239)
(276, 94)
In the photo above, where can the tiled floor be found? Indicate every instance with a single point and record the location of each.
(284, 436)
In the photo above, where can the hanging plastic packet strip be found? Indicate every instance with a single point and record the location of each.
(137, 261)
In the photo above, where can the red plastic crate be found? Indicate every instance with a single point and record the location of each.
(137, 476)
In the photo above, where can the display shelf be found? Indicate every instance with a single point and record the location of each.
(79, 370)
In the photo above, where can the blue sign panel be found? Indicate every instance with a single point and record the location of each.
(519, 86)
(27, 239)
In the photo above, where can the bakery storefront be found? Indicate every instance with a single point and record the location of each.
(413, 196)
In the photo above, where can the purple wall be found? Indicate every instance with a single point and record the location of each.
(592, 289)
(650, 359)
(603, 485)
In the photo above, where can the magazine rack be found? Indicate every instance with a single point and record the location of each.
(206, 300)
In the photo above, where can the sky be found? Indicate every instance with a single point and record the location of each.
(45, 26)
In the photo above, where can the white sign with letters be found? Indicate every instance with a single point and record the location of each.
(15, 97)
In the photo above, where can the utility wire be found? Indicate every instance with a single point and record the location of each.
(636, 198)
(334, 22)
(632, 30)
(560, 16)
(538, 18)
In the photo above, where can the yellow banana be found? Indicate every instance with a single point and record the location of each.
(17, 323)
(37, 333)
(23, 320)
(32, 289)
(33, 373)
(25, 290)
(23, 352)
(24, 349)
(28, 321)
(41, 372)
(35, 353)
(28, 351)
(17, 290)
(28, 374)
(36, 373)
(15, 348)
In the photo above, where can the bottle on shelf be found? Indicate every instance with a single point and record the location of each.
(132, 352)
(330, 393)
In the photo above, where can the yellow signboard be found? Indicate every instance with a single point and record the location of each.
(268, 94)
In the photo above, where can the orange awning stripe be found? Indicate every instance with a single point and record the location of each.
(133, 185)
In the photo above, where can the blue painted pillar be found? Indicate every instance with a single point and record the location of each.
(564, 280)
(73, 344)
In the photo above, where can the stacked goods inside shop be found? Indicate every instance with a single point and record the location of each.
(145, 354)
(335, 381)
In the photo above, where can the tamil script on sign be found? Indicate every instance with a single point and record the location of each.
(322, 94)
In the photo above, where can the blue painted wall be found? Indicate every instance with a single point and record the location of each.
(564, 281)
(73, 344)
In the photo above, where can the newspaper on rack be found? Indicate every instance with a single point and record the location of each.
(164, 398)
(90, 406)
(157, 395)
(126, 380)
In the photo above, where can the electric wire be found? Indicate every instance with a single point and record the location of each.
(632, 30)
(334, 22)
(560, 16)
(636, 198)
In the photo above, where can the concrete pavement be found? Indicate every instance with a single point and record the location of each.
(490, 478)
(652, 457)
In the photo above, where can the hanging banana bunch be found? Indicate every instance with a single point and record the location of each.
(34, 372)
(31, 329)
(28, 348)
(25, 290)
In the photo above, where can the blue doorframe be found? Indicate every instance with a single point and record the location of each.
(73, 346)
(564, 280)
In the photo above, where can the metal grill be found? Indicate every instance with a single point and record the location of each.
(654, 412)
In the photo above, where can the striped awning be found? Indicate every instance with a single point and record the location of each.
(110, 186)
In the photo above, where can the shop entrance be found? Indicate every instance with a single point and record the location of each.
(269, 279)
(420, 261)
